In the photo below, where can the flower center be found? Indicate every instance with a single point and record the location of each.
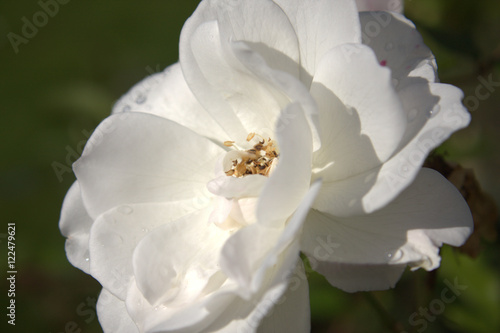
(259, 160)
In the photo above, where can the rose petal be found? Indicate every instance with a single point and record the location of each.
(283, 308)
(263, 26)
(247, 264)
(116, 233)
(357, 277)
(291, 313)
(284, 87)
(261, 23)
(345, 151)
(238, 102)
(289, 182)
(193, 317)
(397, 44)
(123, 163)
(320, 25)
(113, 315)
(367, 92)
(232, 187)
(373, 189)
(409, 230)
(241, 258)
(75, 224)
(167, 95)
(190, 248)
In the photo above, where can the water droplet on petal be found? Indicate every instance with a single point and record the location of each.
(395, 256)
(126, 108)
(389, 46)
(125, 210)
(412, 114)
(140, 99)
(435, 110)
(398, 255)
(145, 230)
(87, 259)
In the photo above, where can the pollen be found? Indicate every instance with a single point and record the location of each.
(259, 160)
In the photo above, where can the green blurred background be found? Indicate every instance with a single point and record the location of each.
(63, 81)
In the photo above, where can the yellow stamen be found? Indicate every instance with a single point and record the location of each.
(259, 160)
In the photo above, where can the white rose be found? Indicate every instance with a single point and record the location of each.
(310, 92)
